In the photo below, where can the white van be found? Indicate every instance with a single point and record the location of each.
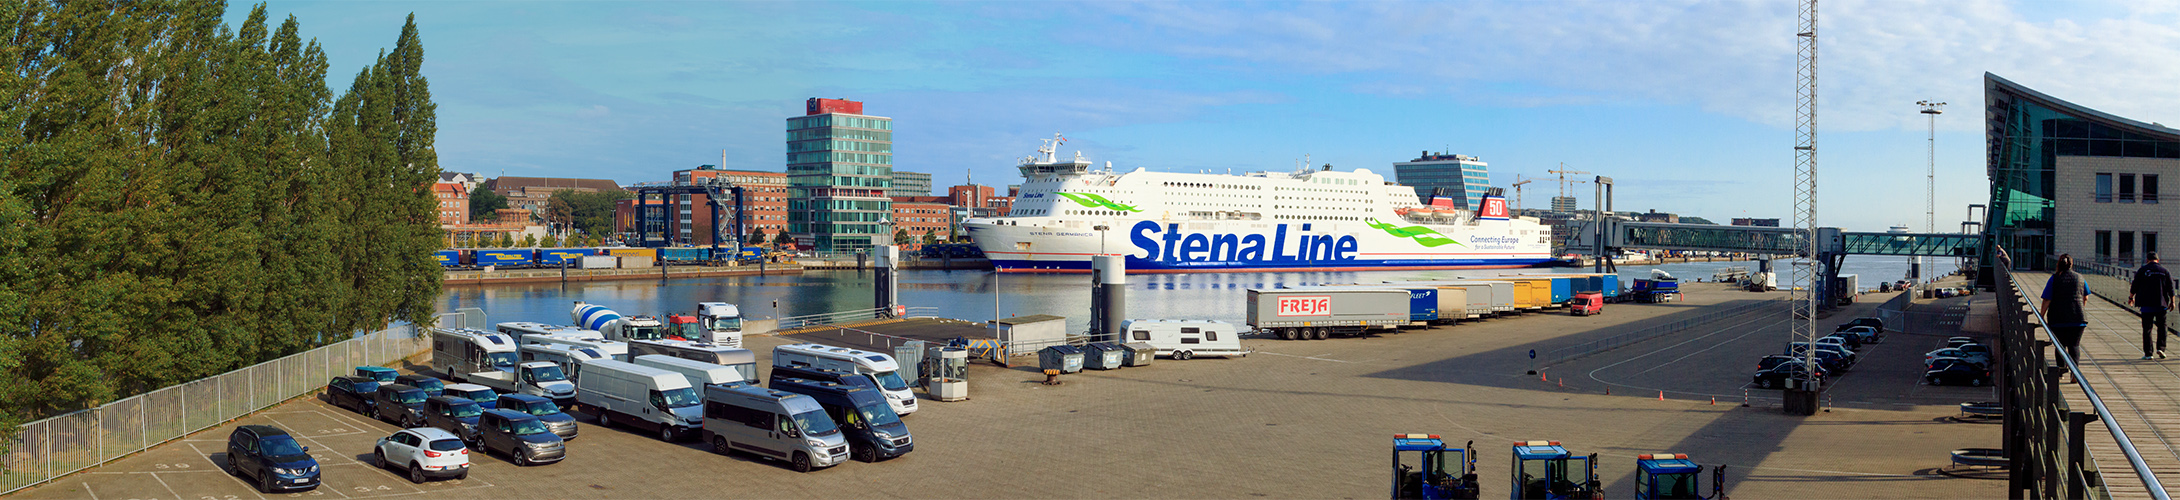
(639, 396)
(880, 366)
(699, 373)
(1186, 338)
(773, 424)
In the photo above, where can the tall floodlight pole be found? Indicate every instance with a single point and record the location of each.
(1930, 188)
(1805, 197)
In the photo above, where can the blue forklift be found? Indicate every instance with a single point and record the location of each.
(1430, 479)
(1673, 476)
(1543, 470)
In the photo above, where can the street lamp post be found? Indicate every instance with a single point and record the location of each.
(1101, 237)
(1930, 187)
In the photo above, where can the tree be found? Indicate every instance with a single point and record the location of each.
(756, 237)
(930, 237)
(588, 211)
(900, 236)
(484, 204)
(529, 241)
(181, 198)
(781, 239)
(505, 240)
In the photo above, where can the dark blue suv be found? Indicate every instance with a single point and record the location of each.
(272, 458)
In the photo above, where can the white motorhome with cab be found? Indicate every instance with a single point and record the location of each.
(880, 366)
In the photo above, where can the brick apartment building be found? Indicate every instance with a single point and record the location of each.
(453, 202)
(533, 194)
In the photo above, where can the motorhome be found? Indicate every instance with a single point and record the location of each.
(874, 432)
(1186, 338)
(880, 366)
(613, 350)
(639, 396)
(773, 424)
(464, 354)
(699, 373)
(521, 329)
(569, 358)
(741, 360)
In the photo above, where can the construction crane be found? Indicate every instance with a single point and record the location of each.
(1518, 181)
(1563, 182)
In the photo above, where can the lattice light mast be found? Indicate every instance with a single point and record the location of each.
(1805, 191)
(1930, 187)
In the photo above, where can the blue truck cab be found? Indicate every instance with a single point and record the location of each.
(1673, 476)
(1546, 470)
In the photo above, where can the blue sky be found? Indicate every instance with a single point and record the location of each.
(1687, 105)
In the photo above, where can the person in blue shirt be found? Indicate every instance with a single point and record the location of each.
(2151, 291)
(2064, 296)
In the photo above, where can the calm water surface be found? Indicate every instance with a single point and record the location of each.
(970, 294)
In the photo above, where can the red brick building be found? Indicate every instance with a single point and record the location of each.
(532, 194)
(921, 215)
(453, 202)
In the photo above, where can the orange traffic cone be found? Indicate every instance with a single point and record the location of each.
(1661, 395)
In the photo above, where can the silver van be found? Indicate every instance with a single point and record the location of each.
(772, 424)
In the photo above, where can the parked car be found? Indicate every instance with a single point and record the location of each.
(272, 458)
(1959, 341)
(521, 436)
(400, 404)
(354, 392)
(483, 396)
(1848, 342)
(1779, 359)
(1867, 334)
(424, 453)
(429, 384)
(1846, 357)
(378, 374)
(1977, 349)
(1878, 324)
(561, 423)
(1776, 377)
(454, 415)
(1980, 358)
(1947, 371)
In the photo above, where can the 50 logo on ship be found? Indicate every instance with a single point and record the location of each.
(1168, 244)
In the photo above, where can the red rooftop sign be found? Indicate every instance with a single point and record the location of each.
(819, 106)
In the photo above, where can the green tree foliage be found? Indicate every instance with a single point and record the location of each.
(782, 239)
(484, 204)
(588, 211)
(930, 237)
(529, 241)
(900, 236)
(179, 198)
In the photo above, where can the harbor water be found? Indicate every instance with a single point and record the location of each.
(971, 294)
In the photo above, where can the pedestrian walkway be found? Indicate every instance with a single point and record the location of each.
(2143, 395)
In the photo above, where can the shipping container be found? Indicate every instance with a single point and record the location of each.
(600, 261)
(448, 259)
(507, 257)
(685, 254)
(1318, 312)
(1466, 299)
(631, 252)
(637, 262)
(557, 257)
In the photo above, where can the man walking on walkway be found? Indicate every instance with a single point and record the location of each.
(2152, 292)
(2064, 296)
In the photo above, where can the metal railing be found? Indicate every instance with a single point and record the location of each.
(822, 319)
(1567, 353)
(2044, 439)
(62, 445)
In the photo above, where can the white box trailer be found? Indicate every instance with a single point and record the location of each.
(1472, 301)
(1186, 338)
(1502, 293)
(600, 261)
(1321, 311)
(643, 397)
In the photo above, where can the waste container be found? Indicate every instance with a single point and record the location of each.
(1140, 353)
(1104, 356)
(1065, 358)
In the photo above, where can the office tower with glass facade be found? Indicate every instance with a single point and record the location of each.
(839, 167)
(910, 184)
(2066, 179)
(1464, 177)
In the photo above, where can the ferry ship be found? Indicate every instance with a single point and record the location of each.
(1307, 220)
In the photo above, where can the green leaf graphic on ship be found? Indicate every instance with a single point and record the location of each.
(1422, 235)
(1095, 201)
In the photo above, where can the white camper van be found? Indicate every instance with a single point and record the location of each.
(1186, 338)
(617, 351)
(522, 329)
(880, 366)
(699, 373)
(639, 396)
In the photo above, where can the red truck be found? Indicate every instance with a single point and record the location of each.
(1587, 304)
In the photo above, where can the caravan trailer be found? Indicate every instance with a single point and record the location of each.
(1184, 339)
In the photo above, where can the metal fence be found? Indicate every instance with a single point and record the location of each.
(58, 446)
(1564, 354)
(2044, 437)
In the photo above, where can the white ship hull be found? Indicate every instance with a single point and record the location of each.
(1045, 244)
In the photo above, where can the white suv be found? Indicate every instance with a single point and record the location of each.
(424, 453)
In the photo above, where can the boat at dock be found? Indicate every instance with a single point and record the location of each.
(1306, 220)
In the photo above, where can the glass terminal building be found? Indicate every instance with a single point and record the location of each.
(2066, 179)
(1464, 177)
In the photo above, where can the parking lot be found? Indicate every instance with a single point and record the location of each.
(1297, 419)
